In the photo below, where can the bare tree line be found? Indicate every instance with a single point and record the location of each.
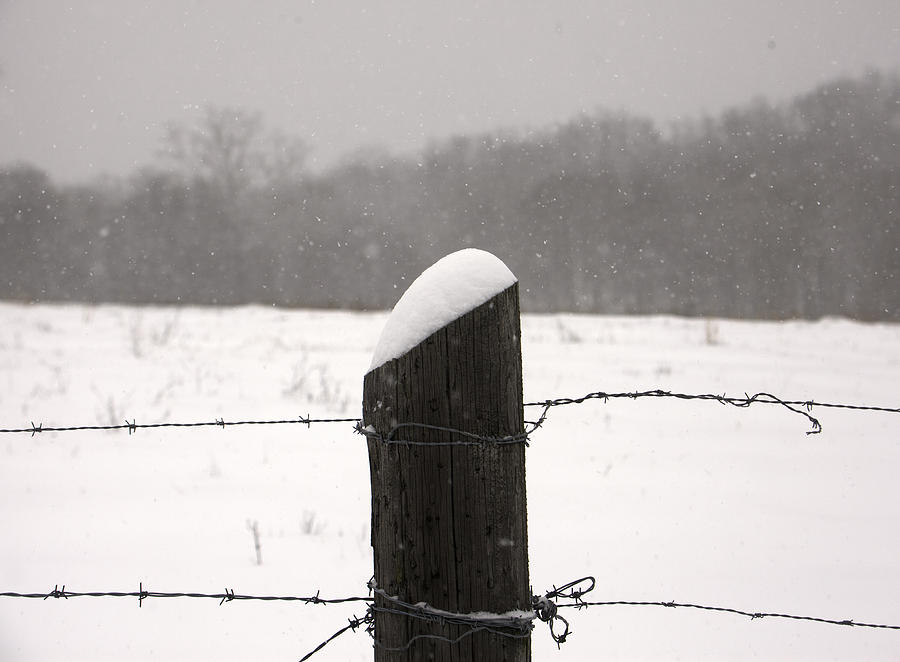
(762, 212)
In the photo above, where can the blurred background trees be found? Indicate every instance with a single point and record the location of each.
(763, 212)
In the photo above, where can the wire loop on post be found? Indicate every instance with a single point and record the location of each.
(547, 610)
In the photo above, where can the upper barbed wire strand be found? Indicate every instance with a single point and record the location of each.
(800, 407)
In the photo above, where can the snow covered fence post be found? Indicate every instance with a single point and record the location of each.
(449, 528)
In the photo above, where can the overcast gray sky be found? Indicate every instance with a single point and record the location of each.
(86, 86)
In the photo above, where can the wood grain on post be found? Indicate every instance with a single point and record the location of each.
(449, 522)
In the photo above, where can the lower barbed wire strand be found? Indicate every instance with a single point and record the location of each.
(727, 610)
(227, 596)
(524, 625)
(514, 625)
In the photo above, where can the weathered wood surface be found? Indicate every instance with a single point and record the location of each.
(449, 522)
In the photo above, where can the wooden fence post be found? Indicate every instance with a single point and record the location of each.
(449, 521)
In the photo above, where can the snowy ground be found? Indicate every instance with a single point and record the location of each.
(660, 500)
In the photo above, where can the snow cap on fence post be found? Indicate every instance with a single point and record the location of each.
(442, 410)
(445, 291)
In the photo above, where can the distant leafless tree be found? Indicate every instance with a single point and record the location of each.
(228, 149)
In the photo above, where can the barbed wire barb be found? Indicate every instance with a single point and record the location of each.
(353, 625)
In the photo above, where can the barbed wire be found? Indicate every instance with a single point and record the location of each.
(544, 607)
(800, 407)
(746, 401)
(132, 426)
(511, 625)
(142, 594)
(753, 615)
(354, 623)
(764, 398)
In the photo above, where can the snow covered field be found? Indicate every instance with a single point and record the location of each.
(660, 500)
